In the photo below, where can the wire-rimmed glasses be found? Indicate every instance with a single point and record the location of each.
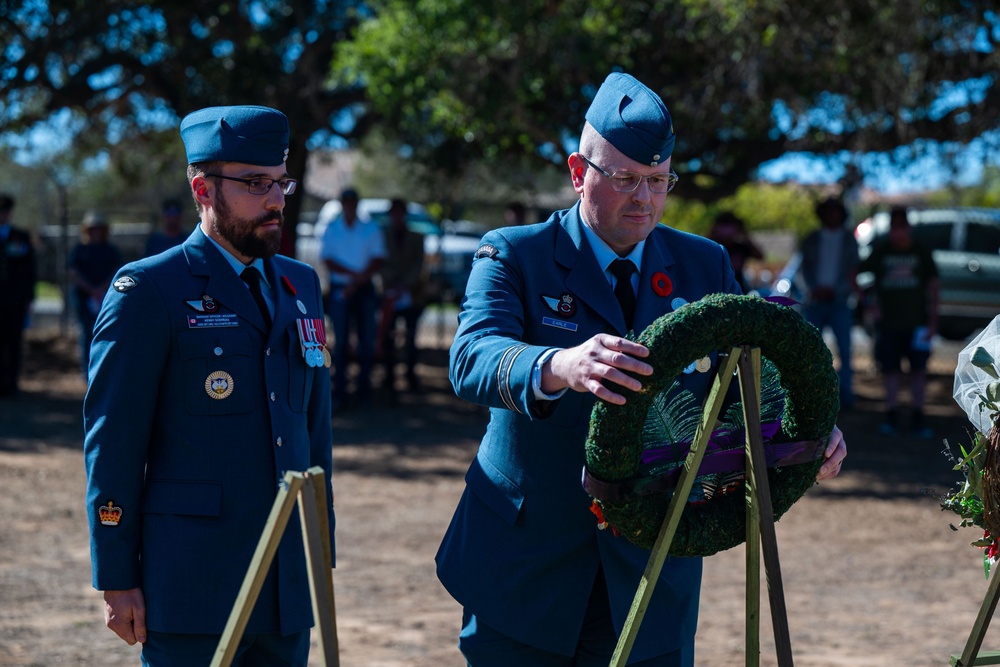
(261, 186)
(628, 181)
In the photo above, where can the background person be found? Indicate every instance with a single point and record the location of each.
(540, 337)
(201, 397)
(402, 275)
(515, 214)
(172, 230)
(92, 263)
(17, 291)
(905, 311)
(353, 250)
(829, 271)
(729, 231)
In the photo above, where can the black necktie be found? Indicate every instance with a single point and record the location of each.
(251, 277)
(622, 270)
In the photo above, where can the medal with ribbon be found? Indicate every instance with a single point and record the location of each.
(312, 339)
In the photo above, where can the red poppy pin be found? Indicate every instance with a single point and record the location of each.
(288, 285)
(661, 284)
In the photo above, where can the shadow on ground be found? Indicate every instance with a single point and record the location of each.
(404, 429)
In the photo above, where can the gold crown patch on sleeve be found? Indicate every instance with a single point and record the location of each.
(110, 514)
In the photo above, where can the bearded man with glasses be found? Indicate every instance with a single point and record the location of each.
(207, 383)
(541, 336)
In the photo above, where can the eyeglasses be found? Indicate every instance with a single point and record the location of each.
(628, 181)
(261, 186)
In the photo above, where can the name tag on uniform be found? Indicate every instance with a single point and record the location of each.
(206, 320)
(559, 324)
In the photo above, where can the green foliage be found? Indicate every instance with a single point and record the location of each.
(765, 206)
(745, 82)
(689, 215)
(985, 194)
(478, 193)
(485, 95)
(966, 500)
(762, 206)
(462, 80)
(716, 322)
(118, 73)
(674, 415)
(982, 359)
(33, 191)
(128, 187)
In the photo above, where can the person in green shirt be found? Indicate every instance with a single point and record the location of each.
(905, 313)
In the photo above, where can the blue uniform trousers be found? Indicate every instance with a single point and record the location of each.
(264, 649)
(484, 646)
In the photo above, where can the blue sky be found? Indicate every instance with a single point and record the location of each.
(936, 167)
(901, 173)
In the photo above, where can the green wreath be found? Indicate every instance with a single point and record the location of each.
(805, 372)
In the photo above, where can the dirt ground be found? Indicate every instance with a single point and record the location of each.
(872, 573)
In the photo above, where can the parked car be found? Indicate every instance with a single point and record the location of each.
(449, 256)
(966, 248)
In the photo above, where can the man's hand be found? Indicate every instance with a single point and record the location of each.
(125, 614)
(602, 358)
(836, 451)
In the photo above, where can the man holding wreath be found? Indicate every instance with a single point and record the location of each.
(546, 311)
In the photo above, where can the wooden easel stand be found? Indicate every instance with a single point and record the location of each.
(760, 516)
(971, 655)
(760, 524)
(309, 491)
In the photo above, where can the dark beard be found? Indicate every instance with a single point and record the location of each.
(241, 233)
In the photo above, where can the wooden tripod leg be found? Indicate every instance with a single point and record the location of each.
(316, 537)
(751, 404)
(971, 652)
(267, 546)
(752, 631)
(710, 413)
(759, 489)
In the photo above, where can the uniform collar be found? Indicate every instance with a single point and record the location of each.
(603, 252)
(234, 262)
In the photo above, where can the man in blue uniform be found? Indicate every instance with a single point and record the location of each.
(207, 384)
(545, 311)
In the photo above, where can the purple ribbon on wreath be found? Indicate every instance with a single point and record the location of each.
(720, 440)
(722, 455)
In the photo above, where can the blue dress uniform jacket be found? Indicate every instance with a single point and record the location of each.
(195, 474)
(523, 549)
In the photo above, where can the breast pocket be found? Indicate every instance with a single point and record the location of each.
(551, 330)
(219, 372)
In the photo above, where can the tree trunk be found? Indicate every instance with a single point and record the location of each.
(296, 168)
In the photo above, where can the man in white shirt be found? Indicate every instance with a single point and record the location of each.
(353, 250)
